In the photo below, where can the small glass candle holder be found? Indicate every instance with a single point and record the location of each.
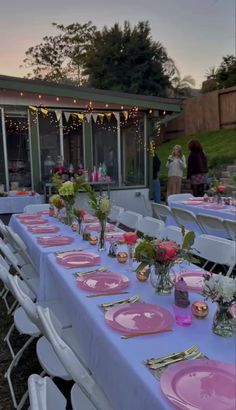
(183, 316)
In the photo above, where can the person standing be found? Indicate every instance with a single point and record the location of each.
(156, 180)
(197, 167)
(176, 163)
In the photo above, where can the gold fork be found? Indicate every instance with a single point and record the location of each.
(195, 352)
(132, 299)
(172, 355)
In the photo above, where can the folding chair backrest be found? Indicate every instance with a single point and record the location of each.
(129, 219)
(230, 227)
(161, 211)
(150, 226)
(71, 362)
(172, 233)
(217, 250)
(115, 213)
(187, 219)
(211, 225)
(178, 198)
(32, 209)
(44, 394)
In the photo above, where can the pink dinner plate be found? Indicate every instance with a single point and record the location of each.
(38, 221)
(27, 216)
(215, 206)
(116, 236)
(43, 229)
(97, 227)
(193, 279)
(55, 240)
(45, 212)
(77, 259)
(200, 385)
(197, 198)
(192, 202)
(106, 282)
(89, 218)
(139, 317)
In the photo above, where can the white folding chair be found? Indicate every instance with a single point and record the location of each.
(114, 214)
(217, 250)
(178, 198)
(211, 225)
(150, 226)
(172, 233)
(86, 387)
(129, 219)
(44, 394)
(187, 219)
(162, 212)
(32, 209)
(27, 322)
(18, 247)
(230, 227)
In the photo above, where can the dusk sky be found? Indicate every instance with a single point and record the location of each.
(196, 33)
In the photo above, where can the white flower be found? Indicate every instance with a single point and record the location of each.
(220, 288)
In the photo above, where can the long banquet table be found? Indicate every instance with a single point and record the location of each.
(15, 204)
(117, 364)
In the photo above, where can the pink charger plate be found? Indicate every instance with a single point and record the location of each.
(55, 240)
(197, 198)
(139, 317)
(215, 206)
(97, 227)
(43, 229)
(116, 236)
(27, 216)
(106, 282)
(38, 221)
(77, 259)
(193, 279)
(89, 218)
(192, 202)
(200, 385)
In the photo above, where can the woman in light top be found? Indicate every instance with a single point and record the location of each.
(176, 163)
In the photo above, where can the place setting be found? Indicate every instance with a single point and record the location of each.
(103, 283)
(34, 221)
(77, 258)
(43, 229)
(58, 240)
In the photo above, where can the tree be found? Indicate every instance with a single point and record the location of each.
(181, 87)
(61, 58)
(222, 77)
(127, 60)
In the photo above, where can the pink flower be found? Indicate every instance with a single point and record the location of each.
(167, 251)
(221, 188)
(130, 237)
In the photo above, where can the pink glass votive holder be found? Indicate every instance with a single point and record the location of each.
(183, 316)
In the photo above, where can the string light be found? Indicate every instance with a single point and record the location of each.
(74, 101)
(107, 105)
(57, 98)
(21, 94)
(40, 97)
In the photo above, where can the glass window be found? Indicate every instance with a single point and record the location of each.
(18, 152)
(105, 146)
(2, 163)
(49, 134)
(73, 142)
(132, 150)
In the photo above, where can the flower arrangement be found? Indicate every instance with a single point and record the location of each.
(217, 189)
(79, 213)
(57, 201)
(162, 255)
(222, 290)
(219, 288)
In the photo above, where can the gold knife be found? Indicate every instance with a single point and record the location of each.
(131, 335)
(105, 294)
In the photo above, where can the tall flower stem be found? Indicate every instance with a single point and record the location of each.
(101, 240)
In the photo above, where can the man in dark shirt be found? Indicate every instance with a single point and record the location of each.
(156, 181)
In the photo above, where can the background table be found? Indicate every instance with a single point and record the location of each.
(117, 364)
(15, 204)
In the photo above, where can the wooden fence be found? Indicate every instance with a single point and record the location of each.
(206, 112)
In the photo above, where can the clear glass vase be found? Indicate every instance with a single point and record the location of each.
(223, 321)
(163, 280)
(101, 239)
(130, 247)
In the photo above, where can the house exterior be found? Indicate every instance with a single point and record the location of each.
(43, 123)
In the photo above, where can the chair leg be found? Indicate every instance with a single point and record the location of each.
(7, 339)
(12, 365)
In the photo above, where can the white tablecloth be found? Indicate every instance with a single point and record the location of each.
(117, 364)
(16, 204)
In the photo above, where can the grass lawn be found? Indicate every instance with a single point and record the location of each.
(219, 146)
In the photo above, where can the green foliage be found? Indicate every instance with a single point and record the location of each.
(222, 77)
(127, 59)
(219, 147)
